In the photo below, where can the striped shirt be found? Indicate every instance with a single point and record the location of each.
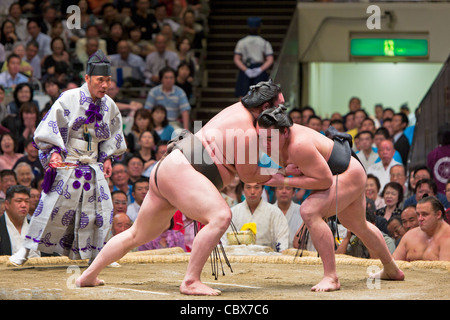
(175, 101)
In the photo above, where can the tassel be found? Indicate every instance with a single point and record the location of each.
(49, 178)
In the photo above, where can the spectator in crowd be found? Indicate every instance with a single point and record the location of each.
(25, 68)
(398, 174)
(8, 36)
(19, 21)
(431, 241)
(124, 58)
(172, 97)
(44, 41)
(168, 239)
(13, 224)
(161, 123)
(59, 54)
(159, 59)
(88, 45)
(425, 187)
(160, 12)
(393, 196)
(115, 34)
(7, 179)
(3, 106)
(140, 189)
(120, 179)
(23, 93)
(120, 201)
(409, 217)
(161, 149)
(147, 149)
(396, 229)
(142, 122)
(366, 154)
(291, 211)
(184, 80)
(353, 246)
(9, 156)
(24, 174)
(373, 188)
(139, 45)
(190, 29)
(32, 58)
(11, 77)
(121, 222)
(401, 143)
(271, 224)
(145, 20)
(381, 169)
(135, 166)
(296, 115)
(232, 193)
(315, 123)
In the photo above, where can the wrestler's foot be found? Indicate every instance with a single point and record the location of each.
(389, 272)
(83, 281)
(327, 284)
(198, 288)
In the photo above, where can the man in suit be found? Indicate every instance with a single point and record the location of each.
(401, 143)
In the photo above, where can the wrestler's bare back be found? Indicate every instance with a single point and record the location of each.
(235, 119)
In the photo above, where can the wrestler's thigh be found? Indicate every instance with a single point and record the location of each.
(354, 216)
(190, 191)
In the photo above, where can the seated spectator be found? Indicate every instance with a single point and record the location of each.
(160, 123)
(140, 190)
(291, 211)
(425, 187)
(13, 224)
(381, 169)
(115, 34)
(7, 179)
(120, 178)
(32, 58)
(138, 45)
(145, 20)
(315, 123)
(8, 36)
(19, 21)
(186, 54)
(184, 80)
(25, 124)
(124, 58)
(296, 115)
(398, 174)
(192, 30)
(121, 222)
(382, 134)
(271, 224)
(351, 244)
(409, 218)
(53, 91)
(88, 45)
(35, 196)
(232, 193)
(167, 31)
(373, 191)
(120, 201)
(147, 150)
(160, 12)
(168, 239)
(59, 54)
(135, 166)
(396, 229)
(25, 68)
(366, 153)
(3, 107)
(11, 77)
(159, 59)
(173, 98)
(24, 174)
(43, 40)
(142, 122)
(23, 93)
(393, 196)
(431, 241)
(401, 143)
(9, 157)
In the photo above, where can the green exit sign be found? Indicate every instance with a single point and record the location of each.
(376, 47)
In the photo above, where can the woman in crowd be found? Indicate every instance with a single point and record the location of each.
(393, 196)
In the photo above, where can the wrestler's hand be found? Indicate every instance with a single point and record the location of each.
(292, 170)
(277, 180)
(107, 168)
(56, 158)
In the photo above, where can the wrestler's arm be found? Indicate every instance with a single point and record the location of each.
(315, 173)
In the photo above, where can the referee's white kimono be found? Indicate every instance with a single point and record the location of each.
(74, 217)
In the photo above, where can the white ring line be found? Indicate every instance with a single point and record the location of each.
(140, 291)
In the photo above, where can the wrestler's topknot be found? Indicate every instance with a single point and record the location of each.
(275, 116)
(261, 93)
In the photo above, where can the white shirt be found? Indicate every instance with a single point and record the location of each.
(253, 49)
(133, 210)
(294, 220)
(272, 228)
(16, 237)
(381, 173)
(367, 162)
